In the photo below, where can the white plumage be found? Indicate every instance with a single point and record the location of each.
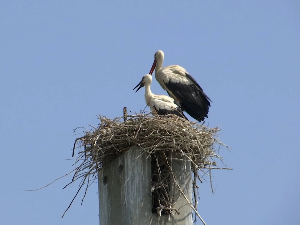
(159, 104)
(182, 87)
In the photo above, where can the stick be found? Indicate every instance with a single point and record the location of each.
(125, 114)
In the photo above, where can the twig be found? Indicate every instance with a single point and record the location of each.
(51, 182)
(125, 114)
(181, 191)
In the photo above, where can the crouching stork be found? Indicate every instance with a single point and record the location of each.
(159, 104)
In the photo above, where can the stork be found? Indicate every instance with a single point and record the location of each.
(159, 104)
(182, 87)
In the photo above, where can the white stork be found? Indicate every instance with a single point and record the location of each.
(182, 87)
(159, 104)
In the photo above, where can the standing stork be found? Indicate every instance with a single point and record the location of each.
(159, 104)
(182, 87)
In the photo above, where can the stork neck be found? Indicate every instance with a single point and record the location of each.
(148, 94)
(159, 64)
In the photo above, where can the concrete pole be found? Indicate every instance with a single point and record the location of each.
(125, 196)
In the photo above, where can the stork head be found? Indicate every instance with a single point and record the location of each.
(146, 80)
(158, 57)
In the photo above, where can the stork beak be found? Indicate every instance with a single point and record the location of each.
(153, 67)
(140, 85)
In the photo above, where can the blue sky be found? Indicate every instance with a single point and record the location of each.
(65, 62)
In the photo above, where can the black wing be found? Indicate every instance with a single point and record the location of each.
(191, 97)
(177, 112)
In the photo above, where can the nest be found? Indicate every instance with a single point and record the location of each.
(157, 136)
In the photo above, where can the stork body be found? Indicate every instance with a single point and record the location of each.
(182, 87)
(159, 104)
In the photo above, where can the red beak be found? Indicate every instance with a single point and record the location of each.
(153, 67)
